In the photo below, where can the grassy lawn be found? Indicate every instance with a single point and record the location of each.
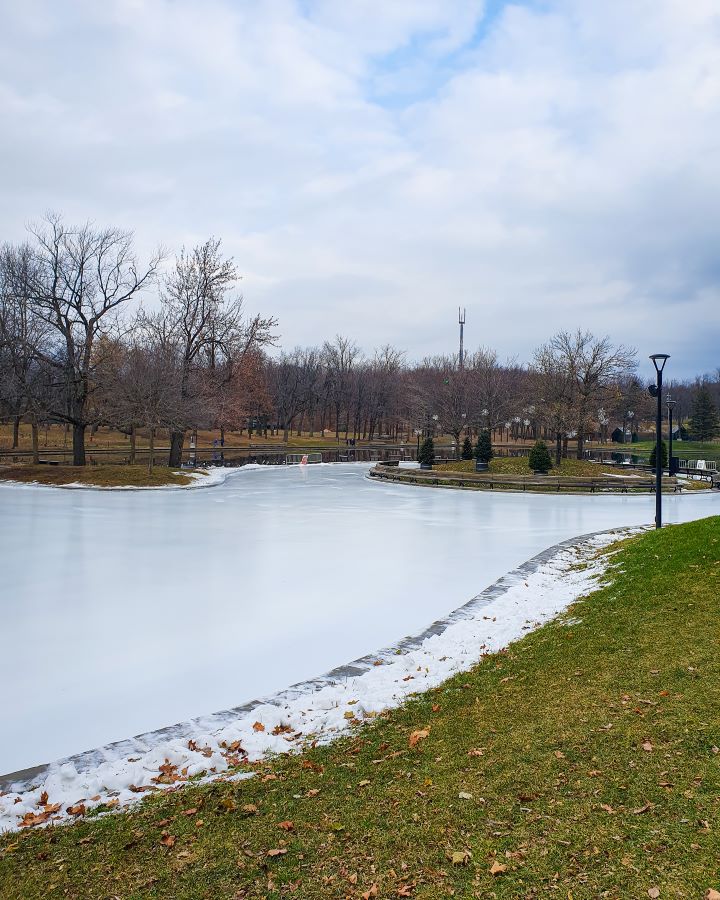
(518, 465)
(582, 762)
(683, 449)
(100, 476)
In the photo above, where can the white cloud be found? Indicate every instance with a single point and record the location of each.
(372, 166)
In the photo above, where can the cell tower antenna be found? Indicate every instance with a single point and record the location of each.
(461, 323)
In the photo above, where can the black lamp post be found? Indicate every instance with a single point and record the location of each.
(670, 405)
(659, 360)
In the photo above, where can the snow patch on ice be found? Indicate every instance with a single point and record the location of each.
(322, 709)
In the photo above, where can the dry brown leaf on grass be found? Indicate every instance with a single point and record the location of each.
(608, 809)
(277, 851)
(287, 825)
(712, 894)
(647, 746)
(78, 809)
(168, 840)
(498, 868)
(460, 857)
(642, 809)
(653, 892)
(418, 736)
(370, 893)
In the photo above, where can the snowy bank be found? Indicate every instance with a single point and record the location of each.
(200, 478)
(119, 774)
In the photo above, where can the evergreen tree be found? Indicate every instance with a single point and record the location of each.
(539, 459)
(663, 455)
(704, 421)
(426, 455)
(483, 447)
(467, 450)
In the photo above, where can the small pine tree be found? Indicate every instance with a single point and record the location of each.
(539, 459)
(467, 450)
(483, 447)
(704, 421)
(663, 455)
(427, 452)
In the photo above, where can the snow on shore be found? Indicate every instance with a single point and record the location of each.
(201, 478)
(321, 709)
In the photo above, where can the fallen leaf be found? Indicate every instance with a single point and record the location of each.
(559, 754)
(435, 708)
(282, 729)
(712, 894)
(373, 890)
(43, 798)
(258, 726)
(405, 890)
(168, 840)
(30, 819)
(608, 809)
(463, 795)
(286, 825)
(647, 747)
(642, 809)
(476, 751)
(78, 809)
(277, 851)
(460, 857)
(190, 812)
(250, 809)
(418, 736)
(653, 892)
(497, 868)
(229, 804)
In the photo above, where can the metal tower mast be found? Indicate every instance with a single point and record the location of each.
(461, 322)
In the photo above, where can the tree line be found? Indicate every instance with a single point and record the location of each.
(78, 345)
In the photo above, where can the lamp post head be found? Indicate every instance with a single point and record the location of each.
(659, 360)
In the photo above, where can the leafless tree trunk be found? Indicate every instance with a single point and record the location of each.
(80, 279)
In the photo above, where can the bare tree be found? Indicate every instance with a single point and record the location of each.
(340, 356)
(204, 325)
(142, 389)
(80, 279)
(581, 373)
(24, 388)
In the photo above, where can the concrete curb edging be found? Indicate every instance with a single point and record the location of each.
(23, 779)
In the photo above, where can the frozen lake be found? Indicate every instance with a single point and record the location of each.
(126, 611)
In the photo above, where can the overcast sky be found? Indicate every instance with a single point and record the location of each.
(373, 164)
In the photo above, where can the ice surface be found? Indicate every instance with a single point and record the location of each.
(126, 611)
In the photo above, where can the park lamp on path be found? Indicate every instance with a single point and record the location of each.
(659, 360)
(670, 403)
